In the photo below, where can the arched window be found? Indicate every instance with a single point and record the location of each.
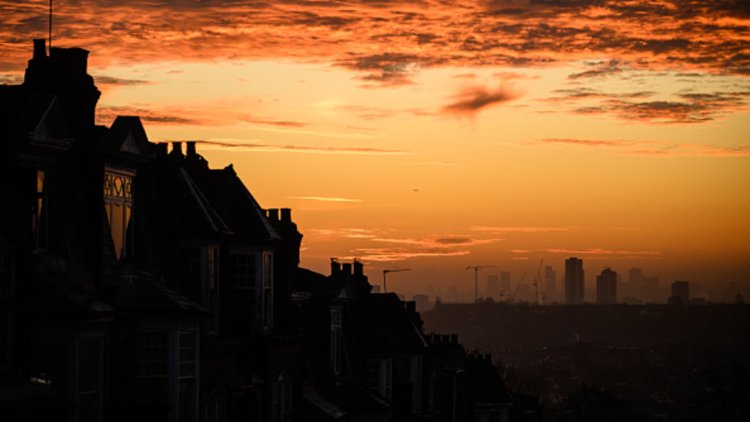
(118, 206)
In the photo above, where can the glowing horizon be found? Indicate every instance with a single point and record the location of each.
(433, 136)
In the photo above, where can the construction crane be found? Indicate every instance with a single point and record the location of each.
(537, 280)
(385, 273)
(476, 269)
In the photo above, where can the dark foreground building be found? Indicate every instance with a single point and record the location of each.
(138, 283)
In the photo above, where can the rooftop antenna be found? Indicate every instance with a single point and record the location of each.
(50, 25)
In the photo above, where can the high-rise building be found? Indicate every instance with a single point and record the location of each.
(492, 285)
(681, 291)
(550, 282)
(606, 287)
(574, 281)
(505, 282)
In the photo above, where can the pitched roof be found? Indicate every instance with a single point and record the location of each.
(235, 204)
(386, 325)
(128, 135)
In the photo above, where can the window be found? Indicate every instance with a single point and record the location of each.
(188, 393)
(242, 276)
(379, 377)
(7, 305)
(189, 273)
(336, 339)
(39, 216)
(118, 206)
(152, 353)
(211, 294)
(90, 378)
(267, 291)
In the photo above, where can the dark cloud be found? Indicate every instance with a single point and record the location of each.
(475, 98)
(112, 80)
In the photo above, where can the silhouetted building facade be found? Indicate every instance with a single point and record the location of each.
(550, 283)
(574, 281)
(680, 292)
(138, 283)
(606, 287)
(493, 285)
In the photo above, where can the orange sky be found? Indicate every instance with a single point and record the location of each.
(432, 136)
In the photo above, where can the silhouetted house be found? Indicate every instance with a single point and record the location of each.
(138, 283)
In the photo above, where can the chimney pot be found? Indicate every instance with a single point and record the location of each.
(190, 148)
(40, 49)
(160, 149)
(335, 267)
(177, 148)
(411, 306)
(286, 215)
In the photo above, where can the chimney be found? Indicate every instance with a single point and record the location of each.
(347, 269)
(177, 148)
(40, 49)
(335, 267)
(286, 215)
(273, 214)
(358, 268)
(160, 149)
(190, 149)
(411, 306)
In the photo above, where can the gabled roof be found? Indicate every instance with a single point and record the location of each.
(210, 218)
(387, 327)
(42, 118)
(235, 204)
(128, 135)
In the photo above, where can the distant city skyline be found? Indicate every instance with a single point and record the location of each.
(436, 136)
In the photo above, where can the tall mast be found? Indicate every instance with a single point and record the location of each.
(50, 25)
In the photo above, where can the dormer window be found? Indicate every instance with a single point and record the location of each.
(118, 206)
(39, 216)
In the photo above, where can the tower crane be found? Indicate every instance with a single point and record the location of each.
(385, 273)
(476, 269)
(537, 280)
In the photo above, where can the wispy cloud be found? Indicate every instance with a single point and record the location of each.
(610, 253)
(655, 148)
(519, 229)
(243, 145)
(470, 100)
(324, 198)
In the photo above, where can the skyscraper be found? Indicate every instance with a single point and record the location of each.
(492, 285)
(573, 281)
(550, 281)
(681, 291)
(606, 287)
(505, 281)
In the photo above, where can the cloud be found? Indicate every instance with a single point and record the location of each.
(519, 229)
(113, 80)
(394, 255)
(470, 100)
(324, 198)
(601, 253)
(688, 34)
(244, 145)
(656, 148)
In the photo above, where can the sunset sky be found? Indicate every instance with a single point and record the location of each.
(433, 135)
